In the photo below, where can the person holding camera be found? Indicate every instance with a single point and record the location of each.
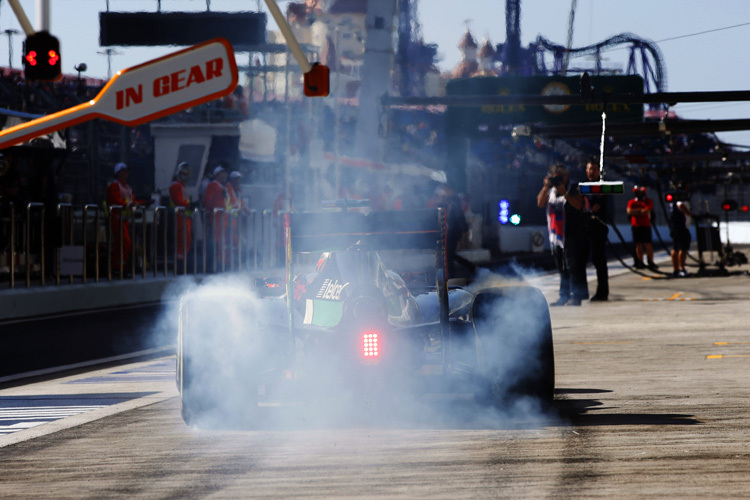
(552, 199)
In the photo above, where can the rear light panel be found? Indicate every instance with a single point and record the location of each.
(371, 345)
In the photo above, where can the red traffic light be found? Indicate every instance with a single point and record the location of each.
(669, 197)
(745, 208)
(41, 57)
(728, 205)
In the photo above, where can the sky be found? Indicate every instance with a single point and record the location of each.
(703, 43)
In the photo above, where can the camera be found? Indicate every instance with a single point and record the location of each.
(557, 180)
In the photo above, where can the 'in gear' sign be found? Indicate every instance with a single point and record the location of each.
(178, 81)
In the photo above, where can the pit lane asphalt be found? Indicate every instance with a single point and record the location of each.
(652, 402)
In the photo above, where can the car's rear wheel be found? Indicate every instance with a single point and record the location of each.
(515, 355)
(218, 371)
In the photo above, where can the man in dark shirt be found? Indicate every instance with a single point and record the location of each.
(597, 232)
(586, 226)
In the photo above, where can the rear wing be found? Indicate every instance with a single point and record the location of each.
(381, 230)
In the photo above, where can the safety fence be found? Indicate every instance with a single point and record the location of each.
(43, 245)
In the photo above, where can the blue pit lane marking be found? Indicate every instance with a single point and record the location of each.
(23, 412)
(156, 372)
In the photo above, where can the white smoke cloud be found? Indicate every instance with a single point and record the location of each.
(239, 358)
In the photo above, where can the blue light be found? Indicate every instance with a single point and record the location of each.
(515, 219)
(504, 212)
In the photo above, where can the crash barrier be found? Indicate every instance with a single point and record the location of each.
(64, 244)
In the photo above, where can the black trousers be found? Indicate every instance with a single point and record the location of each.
(576, 257)
(562, 268)
(599, 259)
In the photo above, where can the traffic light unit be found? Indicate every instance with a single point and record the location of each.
(41, 57)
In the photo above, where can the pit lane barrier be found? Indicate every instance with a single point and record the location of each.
(58, 241)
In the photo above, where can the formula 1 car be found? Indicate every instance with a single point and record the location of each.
(375, 316)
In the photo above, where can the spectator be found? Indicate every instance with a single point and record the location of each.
(552, 199)
(179, 197)
(639, 209)
(235, 192)
(217, 197)
(120, 194)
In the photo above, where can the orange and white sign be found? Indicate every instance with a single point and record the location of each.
(157, 88)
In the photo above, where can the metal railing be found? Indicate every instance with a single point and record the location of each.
(136, 243)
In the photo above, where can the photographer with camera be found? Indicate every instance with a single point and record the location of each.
(552, 199)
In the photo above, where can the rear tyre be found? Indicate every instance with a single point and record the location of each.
(217, 372)
(515, 355)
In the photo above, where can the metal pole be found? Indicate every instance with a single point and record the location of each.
(109, 245)
(194, 242)
(165, 233)
(86, 209)
(204, 226)
(42, 15)
(131, 233)
(174, 241)
(29, 207)
(96, 242)
(12, 245)
(233, 223)
(291, 40)
(143, 245)
(70, 236)
(184, 242)
(155, 239)
(26, 26)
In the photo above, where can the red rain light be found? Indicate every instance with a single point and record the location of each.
(745, 208)
(370, 344)
(670, 197)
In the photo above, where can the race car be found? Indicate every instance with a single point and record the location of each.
(364, 309)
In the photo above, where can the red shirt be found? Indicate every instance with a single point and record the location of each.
(641, 220)
(178, 194)
(119, 194)
(217, 196)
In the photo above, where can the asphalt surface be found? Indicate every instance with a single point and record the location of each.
(652, 402)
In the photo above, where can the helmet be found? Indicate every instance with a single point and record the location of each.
(183, 167)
